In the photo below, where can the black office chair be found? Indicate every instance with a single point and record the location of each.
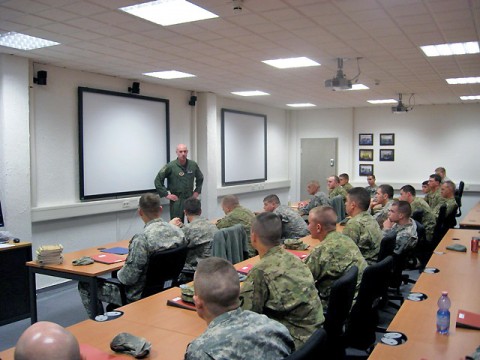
(313, 349)
(363, 319)
(458, 197)
(162, 273)
(418, 215)
(440, 230)
(387, 245)
(339, 205)
(339, 305)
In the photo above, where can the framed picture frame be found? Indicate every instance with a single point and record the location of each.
(365, 139)
(387, 139)
(365, 154)
(365, 169)
(387, 155)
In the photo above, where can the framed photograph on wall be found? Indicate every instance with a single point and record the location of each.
(387, 155)
(365, 139)
(365, 154)
(365, 169)
(387, 139)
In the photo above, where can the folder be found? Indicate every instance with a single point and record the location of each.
(107, 258)
(178, 302)
(300, 255)
(116, 250)
(468, 320)
(246, 269)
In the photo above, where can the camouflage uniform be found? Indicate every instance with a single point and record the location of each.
(239, 215)
(157, 235)
(451, 206)
(372, 190)
(282, 287)
(293, 226)
(337, 191)
(406, 236)
(180, 182)
(241, 334)
(429, 218)
(199, 235)
(434, 199)
(382, 214)
(365, 232)
(318, 199)
(347, 187)
(331, 259)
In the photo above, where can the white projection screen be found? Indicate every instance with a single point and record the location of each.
(244, 147)
(123, 142)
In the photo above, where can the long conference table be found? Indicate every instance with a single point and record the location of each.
(170, 329)
(472, 219)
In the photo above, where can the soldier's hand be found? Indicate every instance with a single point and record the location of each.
(172, 197)
(176, 221)
(195, 195)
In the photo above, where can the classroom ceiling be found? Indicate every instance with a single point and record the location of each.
(225, 53)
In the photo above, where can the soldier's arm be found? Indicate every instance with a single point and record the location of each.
(352, 231)
(198, 180)
(224, 222)
(254, 292)
(160, 180)
(313, 263)
(136, 261)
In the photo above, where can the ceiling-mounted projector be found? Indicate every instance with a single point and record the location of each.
(400, 107)
(339, 82)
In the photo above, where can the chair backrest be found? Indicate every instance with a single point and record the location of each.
(458, 197)
(363, 319)
(340, 302)
(418, 215)
(163, 269)
(387, 245)
(339, 205)
(231, 243)
(439, 231)
(313, 348)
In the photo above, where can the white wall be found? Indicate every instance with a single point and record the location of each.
(14, 146)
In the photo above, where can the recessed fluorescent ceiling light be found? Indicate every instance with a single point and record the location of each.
(470, 97)
(172, 74)
(301, 105)
(383, 101)
(291, 63)
(467, 80)
(169, 12)
(359, 87)
(24, 42)
(451, 49)
(250, 93)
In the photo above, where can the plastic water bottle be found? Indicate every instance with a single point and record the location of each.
(443, 314)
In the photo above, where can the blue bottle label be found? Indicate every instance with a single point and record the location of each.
(443, 321)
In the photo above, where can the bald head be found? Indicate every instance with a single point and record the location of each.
(47, 341)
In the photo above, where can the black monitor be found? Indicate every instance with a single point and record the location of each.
(1, 216)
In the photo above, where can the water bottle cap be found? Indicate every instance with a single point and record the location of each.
(444, 292)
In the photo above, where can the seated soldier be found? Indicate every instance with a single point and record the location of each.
(362, 228)
(434, 197)
(344, 181)
(447, 191)
(408, 193)
(440, 171)
(383, 197)
(425, 188)
(400, 223)
(236, 214)
(334, 255)
(280, 285)
(334, 188)
(372, 187)
(232, 333)
(319, 198)
(157, 236)
(47, 341)
(293, 226)
(198, 234)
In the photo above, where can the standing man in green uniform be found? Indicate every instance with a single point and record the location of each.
(181, 174)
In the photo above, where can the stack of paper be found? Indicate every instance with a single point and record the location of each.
(50, 254)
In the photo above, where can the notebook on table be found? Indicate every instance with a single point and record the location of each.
(246, 269)
(299, 254)
(116, 250)
(107, 258)
(468, 320)
(178, 302)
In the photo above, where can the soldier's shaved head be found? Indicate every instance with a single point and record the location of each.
(325, 216)
(268, 227)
